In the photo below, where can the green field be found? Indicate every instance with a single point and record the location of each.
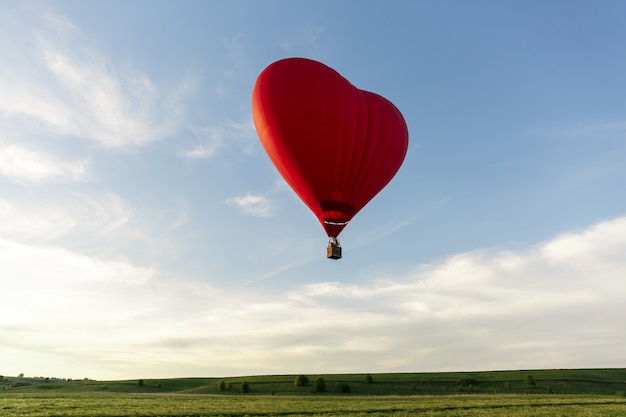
(597, 392)
(110, 405)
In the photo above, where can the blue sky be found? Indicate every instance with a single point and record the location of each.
(145, 233)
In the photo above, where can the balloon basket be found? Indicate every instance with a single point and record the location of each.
(333, 251)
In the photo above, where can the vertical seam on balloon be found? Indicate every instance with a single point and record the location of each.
(356, 184)
(340, 156)
(331, 166)
(376, 164)
(385, 151)
(347, 131)
(387, 158)
(371, 147)
(349, 180)
(394, 153)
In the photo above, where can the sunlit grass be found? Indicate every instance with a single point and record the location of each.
(119, 405)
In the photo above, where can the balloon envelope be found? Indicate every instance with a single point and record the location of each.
(337, 146)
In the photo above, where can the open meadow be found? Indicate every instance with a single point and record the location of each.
(178, 405)
(510, 393)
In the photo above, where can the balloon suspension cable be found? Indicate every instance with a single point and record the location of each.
(333, 251)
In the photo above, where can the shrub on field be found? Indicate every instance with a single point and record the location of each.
(530, 381)
(343, 387)
(301, 381)
(320, 385)
(466, 382)
(221, 386)
(369, 379)
(244, 387)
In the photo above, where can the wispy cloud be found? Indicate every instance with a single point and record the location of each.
(96, 216)
(590, 130)
(62, 267)
(394, 225)
(588, 151)
(254, 205)
(211, 139)
(24, 165)
(598, 131)
(70, 88)
(306, 38)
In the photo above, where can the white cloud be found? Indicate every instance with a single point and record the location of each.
(559, 304)
(70, 88)
(51, 267)
(56, 301)
(201, 151)
(210, 139)
(254, 205)
(24, 165)
(95, 217)
(21, 222)
(484, 310)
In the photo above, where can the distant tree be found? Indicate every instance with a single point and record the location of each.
(140, 382)
(319, 385)
(221, 386)
(20, 376)
(466, 382)
(343, 387)
(369, 379)
(244, 387)
(301, 381)
(1, 378)
(507, 385)
(530, 381)
(229, 385)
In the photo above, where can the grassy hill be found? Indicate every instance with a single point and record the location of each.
(557, 381)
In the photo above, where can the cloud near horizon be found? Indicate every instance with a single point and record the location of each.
(547, 306)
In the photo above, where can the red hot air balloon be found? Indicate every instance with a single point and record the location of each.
(335, 145)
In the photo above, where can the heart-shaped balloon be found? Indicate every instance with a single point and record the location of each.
(335, 145)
